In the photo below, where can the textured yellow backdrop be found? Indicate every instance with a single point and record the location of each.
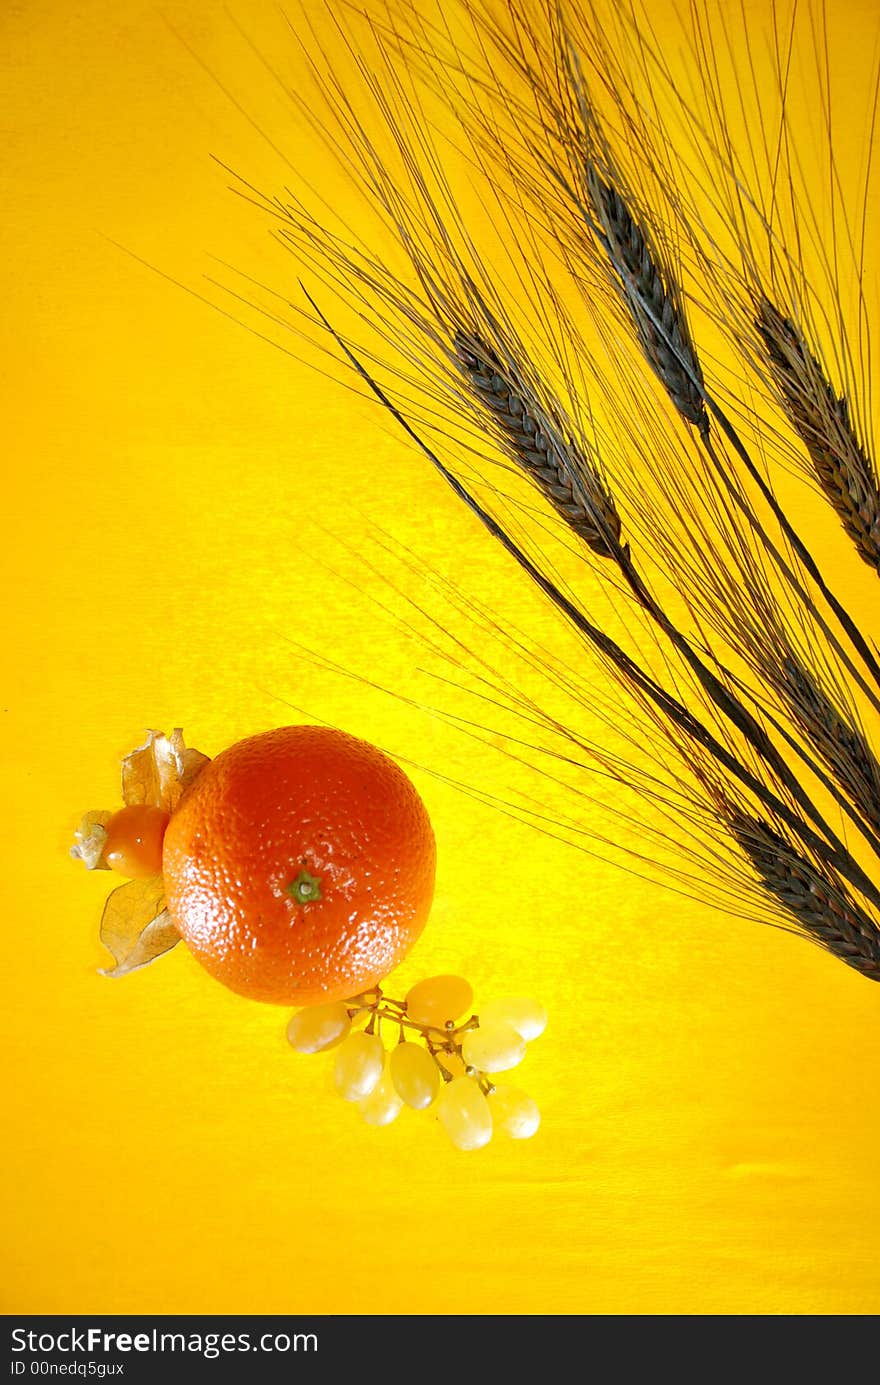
(709, 1088)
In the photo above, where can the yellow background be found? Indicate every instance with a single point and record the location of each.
(709, 1088)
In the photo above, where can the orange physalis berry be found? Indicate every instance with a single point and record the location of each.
(134, 840)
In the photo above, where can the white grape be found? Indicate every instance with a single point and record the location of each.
(359, 1062)
(415, 1075)
(437, 999)
(464, 1113)
(514, 1113)
(318, 1027)
(527, 1017)
(493, 1047)
(383, 1105)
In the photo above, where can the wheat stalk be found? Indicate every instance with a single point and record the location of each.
(530, 432)
(461, 359)
(584, 188)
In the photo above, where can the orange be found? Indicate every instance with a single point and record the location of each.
(299, 866)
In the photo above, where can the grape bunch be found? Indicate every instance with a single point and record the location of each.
(438, 1060)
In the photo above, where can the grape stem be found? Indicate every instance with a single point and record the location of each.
(384, 1008)
(381, 1007)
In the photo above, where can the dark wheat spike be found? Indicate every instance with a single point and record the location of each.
(843, 747)
(538, 445)
(650, 294)
(821, 419)
(821, 908)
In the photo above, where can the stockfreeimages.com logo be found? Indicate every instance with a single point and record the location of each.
(93, 1341)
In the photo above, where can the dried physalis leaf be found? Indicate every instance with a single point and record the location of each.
(89, 839)
(136, 927)
(160, 770)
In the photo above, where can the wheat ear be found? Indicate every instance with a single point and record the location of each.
(843, 747)
(649, 290)
(820, 417)
(653, 299)
(538, 444)
(820, 906)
